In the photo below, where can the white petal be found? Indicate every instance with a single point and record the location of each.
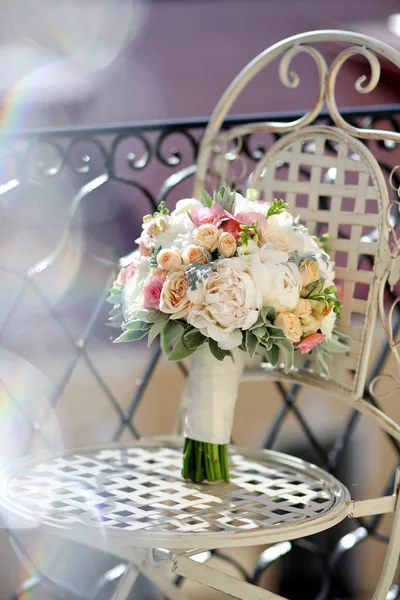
(233, 340)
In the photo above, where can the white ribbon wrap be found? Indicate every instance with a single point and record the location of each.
(213, 388)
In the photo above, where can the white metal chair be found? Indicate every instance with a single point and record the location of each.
(131, 501)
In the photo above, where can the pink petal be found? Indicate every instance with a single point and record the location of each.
(309, 342)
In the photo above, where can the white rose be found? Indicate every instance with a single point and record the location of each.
(226, 303)
(132, 289)
(246, 252)
(183, 206)
(280, 284)
(327, 324)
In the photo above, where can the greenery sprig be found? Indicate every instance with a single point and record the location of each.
(277, 207)
(249, 232)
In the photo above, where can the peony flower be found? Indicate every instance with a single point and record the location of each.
(192, 254)
(207, 236)
(227, 302)
(327, 325)
(290, 323)
(280, 284)
(310, 324)
(302, 308)
(169, 260)
(208, 216)
(151, 292)
(186, 205)
(309, 272)
(227, 244)
(309, 342)
(174, 299)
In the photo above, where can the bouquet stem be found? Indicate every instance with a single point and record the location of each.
(205, 461)
(212, 389)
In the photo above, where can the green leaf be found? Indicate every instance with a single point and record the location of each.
(286, 352)
(151, 316)
(196, 273)
(193, 338)
(155, 330)
(172, 331)
(180, 351)
(136, 324)
(131, 336)
(273, 355)
(207, 200)
(260, 331)
(252, 343)
(218, 352)
(334, 346)
(268, 313)
(275, 332)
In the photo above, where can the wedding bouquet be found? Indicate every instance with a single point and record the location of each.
(221, 279)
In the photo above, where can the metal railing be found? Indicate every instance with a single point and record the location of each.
(73, 171)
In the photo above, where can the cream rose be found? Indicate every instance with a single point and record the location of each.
(321, 308)
(328, 324)
(279, 283)
(309, 272)
(227, 244)
(169, 260)
(227, 302)
(207, 236)
(310, 324)
(174, 300)
(192, 254)
(302, 308)
(290, 323)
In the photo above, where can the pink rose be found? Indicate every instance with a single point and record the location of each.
(126, 274)
(146, 244)
(207, 216)
(151, 292)
(309, 342)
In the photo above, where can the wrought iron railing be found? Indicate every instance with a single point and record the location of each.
(80, 193)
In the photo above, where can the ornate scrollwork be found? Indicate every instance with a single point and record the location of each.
(175, 156)
(390, 275)
(363, 85)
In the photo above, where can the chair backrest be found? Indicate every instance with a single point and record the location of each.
(328, 176)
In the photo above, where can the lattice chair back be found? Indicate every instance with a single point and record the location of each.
(330, 178)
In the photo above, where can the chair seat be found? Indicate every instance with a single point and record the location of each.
(136, 493)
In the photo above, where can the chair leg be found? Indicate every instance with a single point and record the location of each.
(232, 587)
(126, 583)
(392, 553)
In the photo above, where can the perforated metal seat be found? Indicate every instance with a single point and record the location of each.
(137, 494)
